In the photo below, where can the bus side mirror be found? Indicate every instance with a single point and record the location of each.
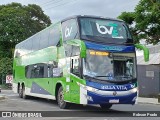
(145, 51)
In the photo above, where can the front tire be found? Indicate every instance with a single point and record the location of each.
(60, 99)
(105, 106)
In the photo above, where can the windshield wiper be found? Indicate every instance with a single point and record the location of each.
(89, 76)
(103, 76)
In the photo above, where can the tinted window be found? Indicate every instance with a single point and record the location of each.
(54, 35)
(41, 40)
(36, 71)
(50, 70)
(44, 39)
(71, 50)
(69, 29)
(103, 30)
(68, 50)
(36, 39)
(42, 70)
(22, 49)
(28, 46)
(75, 66)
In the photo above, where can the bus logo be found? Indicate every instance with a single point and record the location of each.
(103, 29)
(114, 93)
(68, 31)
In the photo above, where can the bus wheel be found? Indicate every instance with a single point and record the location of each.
(20, 91)
(106, 106)
(24, 96)
(60, 99)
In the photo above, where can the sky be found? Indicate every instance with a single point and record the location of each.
(60, 9)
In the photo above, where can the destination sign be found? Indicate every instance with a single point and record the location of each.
(92, 52)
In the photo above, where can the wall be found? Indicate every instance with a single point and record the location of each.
(149, 80)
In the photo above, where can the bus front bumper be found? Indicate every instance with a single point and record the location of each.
(94, 98)
(90, 95)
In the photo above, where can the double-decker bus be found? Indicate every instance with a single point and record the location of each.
(82, 60)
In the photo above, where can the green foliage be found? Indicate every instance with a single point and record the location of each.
(5, 67)
(128, 17)
(144, 21)
(18, 22)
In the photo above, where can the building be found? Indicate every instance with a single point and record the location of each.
(149, 73)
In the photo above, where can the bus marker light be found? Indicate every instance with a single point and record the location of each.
(87, 87)
(134, 90)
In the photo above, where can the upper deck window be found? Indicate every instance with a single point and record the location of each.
(103, 30)
(69, 29)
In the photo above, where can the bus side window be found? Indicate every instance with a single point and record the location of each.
(43, 43)
(36, 71)
(53, 70)
(70, 30)
(75, 66)
(51, 66)
(54, 36)
(28, 71)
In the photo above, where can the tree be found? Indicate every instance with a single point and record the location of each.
(144, 21)
(5, 67)
(18, 22)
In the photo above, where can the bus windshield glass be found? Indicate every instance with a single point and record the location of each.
(103, 30)
(110, 66)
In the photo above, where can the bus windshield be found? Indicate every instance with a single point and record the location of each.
(103, 30)
(110, 66)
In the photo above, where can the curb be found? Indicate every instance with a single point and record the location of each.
(149, 103)
(2, 97)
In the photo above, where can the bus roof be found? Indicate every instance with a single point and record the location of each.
(71, 17)
(91, 16)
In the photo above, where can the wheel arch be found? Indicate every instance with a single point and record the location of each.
(58, 85)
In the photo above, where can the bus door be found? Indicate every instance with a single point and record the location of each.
(74, 78)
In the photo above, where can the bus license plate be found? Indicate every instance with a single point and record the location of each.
(114, 101)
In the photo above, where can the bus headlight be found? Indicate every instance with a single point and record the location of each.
(87, 87)
(91, 89)
(134, 90)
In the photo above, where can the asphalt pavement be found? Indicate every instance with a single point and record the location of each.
(12, 102)
(143, 100)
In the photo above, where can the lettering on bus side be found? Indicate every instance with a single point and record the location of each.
(114, 87)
